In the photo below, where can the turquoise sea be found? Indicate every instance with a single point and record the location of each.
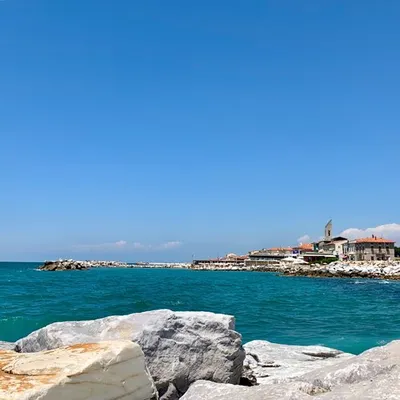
(349, 314)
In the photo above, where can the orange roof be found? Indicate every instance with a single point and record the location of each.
(280, 249)
(305, 246)
(373, 240)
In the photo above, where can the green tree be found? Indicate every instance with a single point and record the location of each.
(397, 251)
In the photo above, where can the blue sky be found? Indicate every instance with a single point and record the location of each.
(155, 130)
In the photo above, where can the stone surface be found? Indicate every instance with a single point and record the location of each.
(91, 371)
(6, 345)
(384, 387)
(366, 369)
(203, 390)
(271, 362)
(180, 347)
(373, 375)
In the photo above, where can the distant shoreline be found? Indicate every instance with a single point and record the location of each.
(378, 270)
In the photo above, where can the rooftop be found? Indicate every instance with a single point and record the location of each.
(373, 239)
(305, 246)
(280, 249)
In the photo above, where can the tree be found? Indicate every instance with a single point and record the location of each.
(397, 251)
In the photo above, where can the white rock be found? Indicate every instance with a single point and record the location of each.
(91, 371)
(203, 390)
(6, 346)
(272, 362)
(384, 387)
(180, 347)
(366, 369)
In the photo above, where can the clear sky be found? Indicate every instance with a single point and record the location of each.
(154, 130)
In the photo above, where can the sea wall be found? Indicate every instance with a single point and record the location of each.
(338, 269)
(75, 265)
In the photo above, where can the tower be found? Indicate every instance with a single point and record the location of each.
(328, 231)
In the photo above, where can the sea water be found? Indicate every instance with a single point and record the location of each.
(348, 314)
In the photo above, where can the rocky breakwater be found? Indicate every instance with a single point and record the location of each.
(340, 269)
(69, 265)
(180, 348)
(94, 371)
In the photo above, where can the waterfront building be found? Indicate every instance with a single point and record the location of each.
(229, 259)
(329, 244)
(368, 249)
(335, 246)
(280, 251)
(303, 248)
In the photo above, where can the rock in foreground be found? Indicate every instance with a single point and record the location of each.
(180, 347)
(270, 362)
(374, 374)
(101, 371)
(203, 390)
(6, 346)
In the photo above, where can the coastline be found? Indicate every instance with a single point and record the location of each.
(338, 269)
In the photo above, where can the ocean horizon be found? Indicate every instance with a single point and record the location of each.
(352, 315)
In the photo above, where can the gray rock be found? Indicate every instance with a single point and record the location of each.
(366, 370)
(271, 363)
(7, 346)
(384, 387)
(203, 390)
(180, 347)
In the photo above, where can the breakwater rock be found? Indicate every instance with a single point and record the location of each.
(6, 346)
(69, 265)
(180, 347)
(373, 375)
(337, 269)
(102, 371)
(269, 362)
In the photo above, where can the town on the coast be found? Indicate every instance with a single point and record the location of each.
(332, 256)
(329, 248)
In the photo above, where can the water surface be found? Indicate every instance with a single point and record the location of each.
(348, 314)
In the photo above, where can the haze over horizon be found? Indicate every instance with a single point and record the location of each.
(156, 131)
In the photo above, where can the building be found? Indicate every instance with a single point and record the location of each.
(303, 248)
(328, 231)
(335, 246)
(229, 259)
(368, 249)
(329, 244)
(279, 251)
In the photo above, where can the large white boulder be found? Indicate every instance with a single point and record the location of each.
(92, 371)
(271, 362)
(203, 390)
(383, 387)
(180, 347)
(374, 366)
